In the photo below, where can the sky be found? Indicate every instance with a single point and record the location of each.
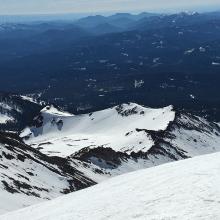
(101, 6)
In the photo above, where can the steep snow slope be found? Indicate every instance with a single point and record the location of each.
(184, 190)
(194, 135)
(28, 177)
(115, 127)
(122, 139)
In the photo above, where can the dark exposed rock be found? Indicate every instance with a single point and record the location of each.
(126, 112)
(101, 156)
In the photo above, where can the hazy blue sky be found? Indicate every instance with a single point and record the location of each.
(92, 6)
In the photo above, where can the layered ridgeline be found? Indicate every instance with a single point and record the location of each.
(122, 128)
(185, 190)
(65, 152)
(28, 176)
(123, 138)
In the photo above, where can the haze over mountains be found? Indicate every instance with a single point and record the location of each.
(85, 100)
(99, 58)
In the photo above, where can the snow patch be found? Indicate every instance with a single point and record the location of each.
(4, 119)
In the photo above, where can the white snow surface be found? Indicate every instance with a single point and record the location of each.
(68, 133)
(52, 111)
(215, 64)
(40, 180)
(27, 98)
(50, 182)
(34, 98)
(4, 118)
(5, 106)
(187, 189)
(202, 139)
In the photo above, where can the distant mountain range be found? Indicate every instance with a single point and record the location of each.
(94, 62)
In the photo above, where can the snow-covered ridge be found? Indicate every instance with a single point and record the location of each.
(52, 111)
(184, 190)
(28, 177)
(122, 139)
(117, 140)
(122, 128)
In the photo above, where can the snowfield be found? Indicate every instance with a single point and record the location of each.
(114, 127)
(122, 139)
(5, 118)
(92, 148)
(183, 190)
